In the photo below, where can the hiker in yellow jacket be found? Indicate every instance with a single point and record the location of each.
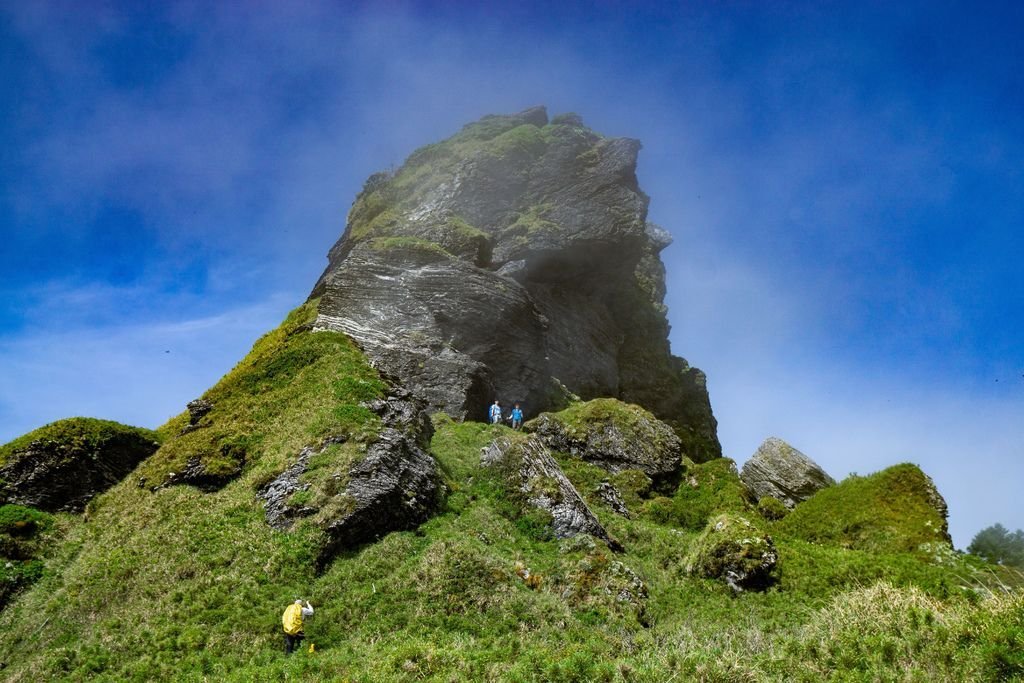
(292, 621)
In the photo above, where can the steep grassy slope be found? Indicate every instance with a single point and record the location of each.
(181, 584)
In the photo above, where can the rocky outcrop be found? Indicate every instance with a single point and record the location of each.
(64, 465)
(736, 551)
(612, 435)
(508, 259)
(610, 496)
(370, 489)
(197, 473)
(197, 410)
(531, 472)
(778, 470)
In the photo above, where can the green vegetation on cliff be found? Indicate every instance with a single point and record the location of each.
(182, 584)
(295, 388)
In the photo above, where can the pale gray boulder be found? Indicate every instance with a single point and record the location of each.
(778, 470)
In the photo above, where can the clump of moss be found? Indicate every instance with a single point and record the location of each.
(772, 508)
(895, 510)
(736, 550)
(706, 489)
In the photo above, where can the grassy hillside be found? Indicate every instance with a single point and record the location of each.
(182, 584)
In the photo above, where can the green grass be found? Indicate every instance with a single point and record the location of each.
(295, 388)
(180, 584)
(888, 511)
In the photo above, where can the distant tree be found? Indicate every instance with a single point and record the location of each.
(998, 545)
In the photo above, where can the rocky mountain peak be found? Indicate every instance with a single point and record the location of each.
(514, 260)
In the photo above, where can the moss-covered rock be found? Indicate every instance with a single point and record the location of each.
(735, 550)
(895, 510)
(772, 509)
(316, 383)
(533, 477)
(613, 435)
(63, 465)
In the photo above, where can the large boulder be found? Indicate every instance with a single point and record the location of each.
(613, 435)
(357, 492)
(62, 466)
(531, 472)
(509, 258)
(778, 470)
(735, 550)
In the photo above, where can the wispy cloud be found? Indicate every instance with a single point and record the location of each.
(139, 374)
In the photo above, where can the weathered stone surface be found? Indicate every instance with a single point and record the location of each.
(612, 435)
(196, 474)
(777, 469)
(61, 467)
(197, 410)
(394, 486)
(515, 253)
(533, 472)
(610, 496)
(736, 551)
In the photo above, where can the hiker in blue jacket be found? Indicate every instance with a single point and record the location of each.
(517, 417)
(494, 414)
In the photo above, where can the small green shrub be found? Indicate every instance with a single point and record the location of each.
(772, 508)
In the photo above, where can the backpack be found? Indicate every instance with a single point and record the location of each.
(292, 619)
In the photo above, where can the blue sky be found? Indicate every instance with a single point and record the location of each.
(843, 180)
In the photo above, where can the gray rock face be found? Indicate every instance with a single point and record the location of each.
(609, 495)
(394, 486)
(777, 469)
(536, 475)
(63, 474)
(512, 255)
(612, 435)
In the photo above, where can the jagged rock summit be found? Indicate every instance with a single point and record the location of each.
(514, 260)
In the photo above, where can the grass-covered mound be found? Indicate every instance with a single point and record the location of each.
(75, 436)
(182, 584)
(893, 511)
(295, 388)
(706, 489)
(63, 465)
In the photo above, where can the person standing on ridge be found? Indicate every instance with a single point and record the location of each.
(292, 621)
(517, 417)
(494, 414)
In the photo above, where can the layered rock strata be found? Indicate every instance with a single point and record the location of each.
(778, 470)
(515, 261)
(533, 473)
